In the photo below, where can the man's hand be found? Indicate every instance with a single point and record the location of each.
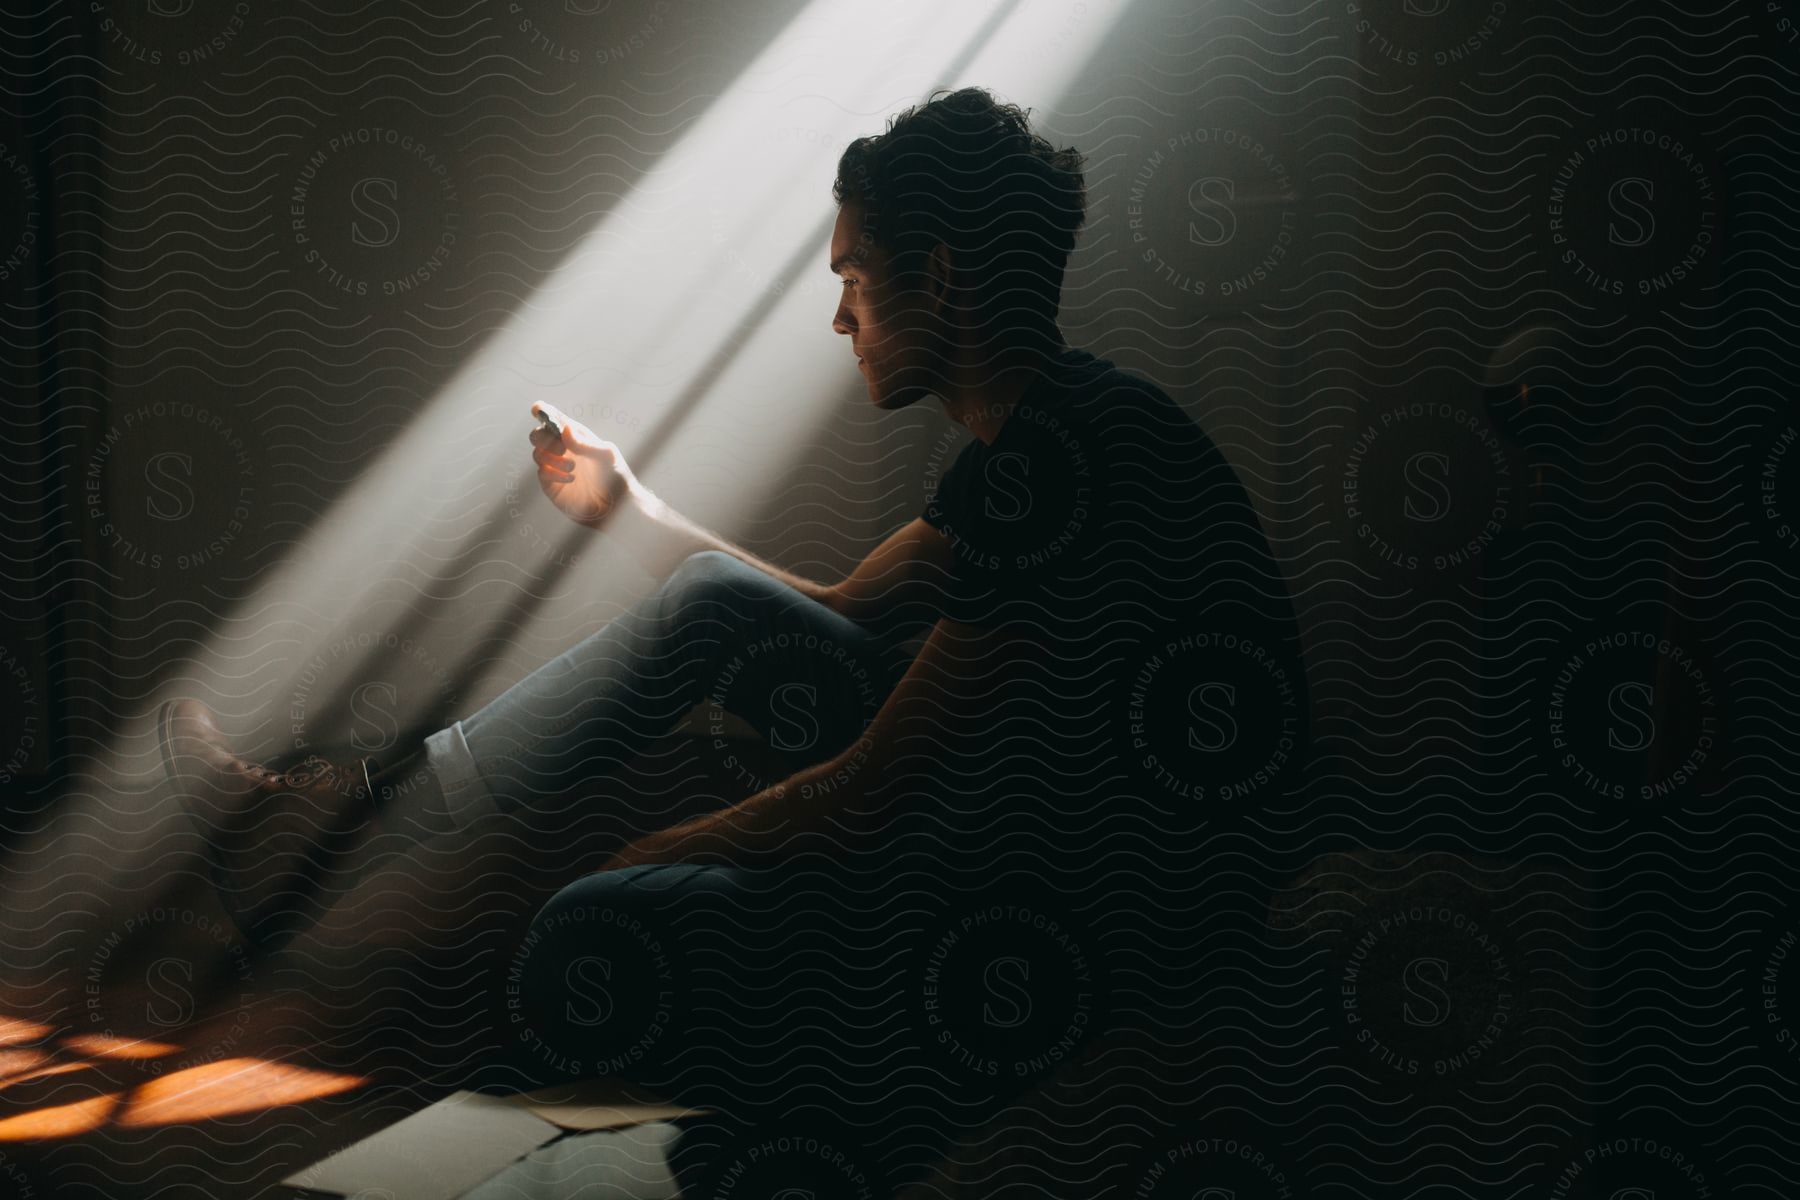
(583, 474)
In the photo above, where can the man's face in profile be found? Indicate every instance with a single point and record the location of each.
(882, 317)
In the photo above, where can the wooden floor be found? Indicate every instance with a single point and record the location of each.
(264, 1081)
(184, 1064)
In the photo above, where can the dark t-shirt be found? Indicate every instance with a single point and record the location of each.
(1169, 701)
(1100, 500)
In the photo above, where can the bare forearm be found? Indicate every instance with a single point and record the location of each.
(660, 538)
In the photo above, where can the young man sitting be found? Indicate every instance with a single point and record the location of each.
(1087, 527)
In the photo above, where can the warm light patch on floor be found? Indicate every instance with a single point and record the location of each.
(200, 1093)
(236, 1085)
(14, 1032)
(100, 1045)
(59, 1120)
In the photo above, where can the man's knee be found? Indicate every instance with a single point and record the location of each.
(636, 884)
(596, 986)
(599, 888)
(706, 577)
(607, 905)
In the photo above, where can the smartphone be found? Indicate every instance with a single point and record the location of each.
(549, 417)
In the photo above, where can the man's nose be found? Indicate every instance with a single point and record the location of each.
(840, 321)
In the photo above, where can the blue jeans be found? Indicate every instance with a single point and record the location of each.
(720, 634)
(765, 995)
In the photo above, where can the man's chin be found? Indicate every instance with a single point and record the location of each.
(893, 398)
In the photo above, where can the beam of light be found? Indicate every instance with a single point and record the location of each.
(708, 241)
(699, 309)
(630, 319)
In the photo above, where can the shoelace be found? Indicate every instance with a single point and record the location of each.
(313, 768)
(261, 773)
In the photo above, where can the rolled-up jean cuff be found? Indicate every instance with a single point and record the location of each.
(466, 795)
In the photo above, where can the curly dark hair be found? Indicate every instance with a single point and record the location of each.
(966, 170)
